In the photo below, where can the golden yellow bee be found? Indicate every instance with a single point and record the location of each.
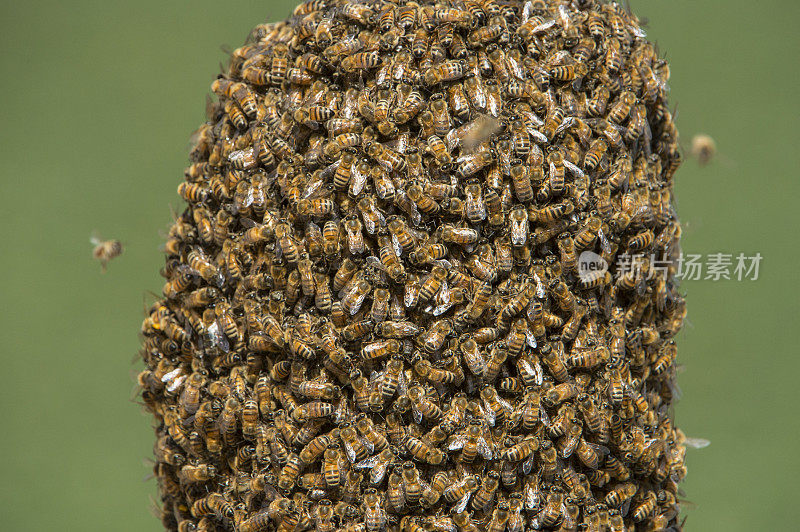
(446, 71)
(360, 61)
(105, 250)
(620, 493)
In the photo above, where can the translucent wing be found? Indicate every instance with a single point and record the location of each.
(372, 461)
(351, 453)
(697, 443)
(462, 504)
(484, 449)
(457, 443)
(417, 414)
(539, 137)
(527, 466)
(488, 414)
(577, 172)
(530, 338)
(398, 249)
(378, 472)
(368, 444)
(566, 123)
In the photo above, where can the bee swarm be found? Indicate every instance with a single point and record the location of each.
(374, 317)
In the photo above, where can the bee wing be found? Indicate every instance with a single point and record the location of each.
(444, 293)
(697, 443)
(462, 504)
(398, 249)
(445, 524)
(530, 338)
(312, 188)
(378, 472)
(342, 412)
(527, 465)
(538, 374)
(95, 239)
(527, 11)
(532, 499)
(175, 385)
(440, 309)
(368, 444)
(488, 413)
(626, 506)
(544, 26)
(543, 416)
(358, 180)
(505, 404)
(247, 222)
(540, 289)
(375, 377)
(417, 414)
(538, 136)
(372, 461)
(375, 262)
(351, 453)
(484, 449)
(457, 442)
(402, 386)
(217, 338)
(410, 296)
(566, 123)
(577, 172)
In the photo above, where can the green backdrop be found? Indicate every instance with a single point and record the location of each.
(98, 102)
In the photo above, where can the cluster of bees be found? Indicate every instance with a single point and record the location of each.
(374, 316)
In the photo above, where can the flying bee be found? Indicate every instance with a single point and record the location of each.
(703, 149)
(105, 250)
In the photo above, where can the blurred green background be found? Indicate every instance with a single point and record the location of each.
(98, 102)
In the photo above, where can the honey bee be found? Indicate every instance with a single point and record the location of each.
(621, 493)
(486, 493)
(424, 202)
(422, 406)
(563, 73)
(703, 149)
(314, 409)
(238, 92)
(374, 514)
(387, 158)
(447, 71)
(191, 474)
(518, 221)
(332, 466)
(521, 450)
(105, 250)
(641, 241)
(438, 376)
(360, 61)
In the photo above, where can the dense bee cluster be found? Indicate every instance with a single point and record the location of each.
(374, 317)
